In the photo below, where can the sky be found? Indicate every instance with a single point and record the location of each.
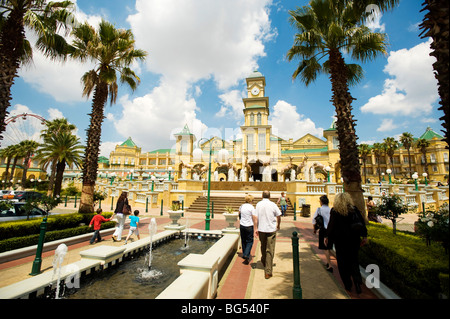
(199, 54)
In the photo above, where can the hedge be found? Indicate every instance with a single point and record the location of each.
(54, 222)
(30, 240)
(407, 265)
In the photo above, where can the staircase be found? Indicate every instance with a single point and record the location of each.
(220, 202)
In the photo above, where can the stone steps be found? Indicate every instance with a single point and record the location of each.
(220, 202)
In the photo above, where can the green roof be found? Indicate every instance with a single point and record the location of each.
(162, 150)
(185, 131)
(255, 74)
(430, 134)
(306, 150)
(103, 159)
(129, 142)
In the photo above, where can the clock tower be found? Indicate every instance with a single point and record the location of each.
(256, 130)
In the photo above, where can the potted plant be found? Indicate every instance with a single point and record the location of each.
(175, 213)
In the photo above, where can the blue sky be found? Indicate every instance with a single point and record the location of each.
(199, 54)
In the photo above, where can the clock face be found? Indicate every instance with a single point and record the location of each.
(255, 91)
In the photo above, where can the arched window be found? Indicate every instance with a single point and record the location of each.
(252, 119)
(259, 119)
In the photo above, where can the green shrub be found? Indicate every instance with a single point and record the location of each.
(54, 222)
(25, 241)
(407, 265)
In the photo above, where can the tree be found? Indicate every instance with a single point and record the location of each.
(28, 148)
(391, 207)
(113, 51)
(326, 28)
(407, 140)
(8, 154)
(435, 25)
(364, 152)
(63, 148)
(17, 153)
(422, 144)
(378, 150)
(43, 17)
(53, 128)
(391, 146)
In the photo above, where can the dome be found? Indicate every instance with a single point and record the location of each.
(255, 74)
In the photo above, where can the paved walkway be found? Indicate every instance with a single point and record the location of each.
(239, 281)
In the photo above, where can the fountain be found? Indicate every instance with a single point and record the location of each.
(60, 253)
(186, 237)
(152, 229)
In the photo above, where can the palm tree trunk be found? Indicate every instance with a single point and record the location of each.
(345, 126)
(436, 26)
(90, 162)
(11, 39)
(59, 177)
(51, 180)
(409, 162)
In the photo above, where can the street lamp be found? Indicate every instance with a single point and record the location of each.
(416, 176)
(131, 174)
(425, 176)
(113, 176)
(170, 170)
(389, 171)
(382, 174)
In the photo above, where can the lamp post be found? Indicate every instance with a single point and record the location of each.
(382, 177)
(416, 176)
(113, 176)
(425, 176)
(170, 170)
(389, 171)
(131, 174)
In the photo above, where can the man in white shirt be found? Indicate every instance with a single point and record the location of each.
(267, 220)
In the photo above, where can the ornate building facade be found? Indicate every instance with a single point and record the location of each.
(259, 155)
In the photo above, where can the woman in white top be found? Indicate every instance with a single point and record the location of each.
(323, 211)
(246, 212)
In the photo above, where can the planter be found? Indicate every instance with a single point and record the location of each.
(231, 219)
(175, 215)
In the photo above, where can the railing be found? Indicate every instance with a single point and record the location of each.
(315, 189)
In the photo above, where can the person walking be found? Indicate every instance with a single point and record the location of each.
(134, 224)
(324, 211)
(246, 212)
(267, 221)
(97, 221)
(283, 204)
(122, 210)
(345, 229)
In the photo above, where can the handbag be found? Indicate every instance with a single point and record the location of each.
(126, 210)
(356, 224)
(319, 221)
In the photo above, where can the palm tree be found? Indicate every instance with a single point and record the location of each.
(422, 145)
(63, 149)
(407, 140)
(326, 28)
(8, 154)
(435, 25)
(113, 51)
(54, 128)
(43, 17)
(364, 152)
(391, 146)
(28, 148)
(378, 150)
(17, 153)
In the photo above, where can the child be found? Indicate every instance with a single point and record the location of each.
(97, 220)
(134, 223)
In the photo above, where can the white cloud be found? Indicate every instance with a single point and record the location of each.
(373, 22)
(54, 114)
(189, 42)
(288, 123)
(199, 39)
(411, 88)
(232, 105)
(387, 125)
(107, 147)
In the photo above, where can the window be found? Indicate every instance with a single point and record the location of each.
(433, 158)
(252, 119)
(259, 119)
(162, 161)
(335, 142)
(250, 146)
(446, 157)
(262, 141)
